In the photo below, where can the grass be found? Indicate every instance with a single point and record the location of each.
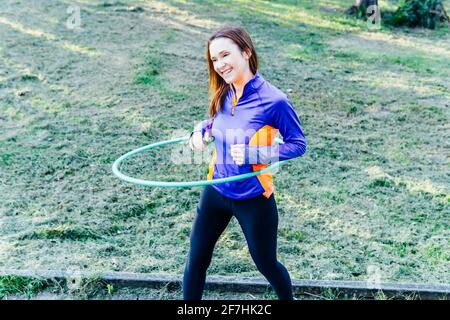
(62, 233)
(372, 190)
(19, 286)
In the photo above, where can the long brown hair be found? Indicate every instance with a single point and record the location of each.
(218, 88)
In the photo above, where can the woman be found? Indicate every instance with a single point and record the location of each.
(246, 112)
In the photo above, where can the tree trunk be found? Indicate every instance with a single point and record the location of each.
(360, 7)
(442, 14)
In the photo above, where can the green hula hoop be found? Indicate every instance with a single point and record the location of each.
(149, 183)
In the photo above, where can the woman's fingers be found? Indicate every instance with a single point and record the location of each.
(237, 149)
(197, 141)
(207, 137)
(238, 153)
(198, 145)
(190, 144)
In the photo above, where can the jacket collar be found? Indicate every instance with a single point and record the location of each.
(252, 85)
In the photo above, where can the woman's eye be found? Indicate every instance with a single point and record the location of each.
(223, 55)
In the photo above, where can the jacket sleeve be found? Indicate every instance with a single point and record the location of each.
(203, 126)
(282, 116)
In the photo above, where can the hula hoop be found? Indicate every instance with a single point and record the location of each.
(150, 183)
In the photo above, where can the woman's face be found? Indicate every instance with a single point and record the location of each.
(228, 60)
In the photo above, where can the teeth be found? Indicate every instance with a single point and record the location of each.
(226, 72)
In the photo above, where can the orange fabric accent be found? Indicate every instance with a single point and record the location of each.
(264, 137)
(211, 165)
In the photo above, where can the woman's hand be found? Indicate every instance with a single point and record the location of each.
(238, 153)
(244, 154)
(196, 141)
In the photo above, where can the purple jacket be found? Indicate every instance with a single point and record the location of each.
(262, 111)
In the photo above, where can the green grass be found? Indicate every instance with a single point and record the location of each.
(155, 60)
(151, 70)
(62, 233)
(111, 4)
(94, 288)
(373, 188)
(19, 286)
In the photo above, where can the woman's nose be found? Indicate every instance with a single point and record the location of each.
(221, 65)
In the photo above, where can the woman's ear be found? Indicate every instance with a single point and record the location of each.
(247, 54)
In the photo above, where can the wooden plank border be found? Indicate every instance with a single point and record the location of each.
(339, 289)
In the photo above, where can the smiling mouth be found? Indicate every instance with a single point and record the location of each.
(227, 71)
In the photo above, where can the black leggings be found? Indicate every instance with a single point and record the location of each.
(258, 218)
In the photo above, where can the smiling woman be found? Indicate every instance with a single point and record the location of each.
(246, 113)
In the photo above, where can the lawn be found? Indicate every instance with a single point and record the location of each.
(371, 193)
